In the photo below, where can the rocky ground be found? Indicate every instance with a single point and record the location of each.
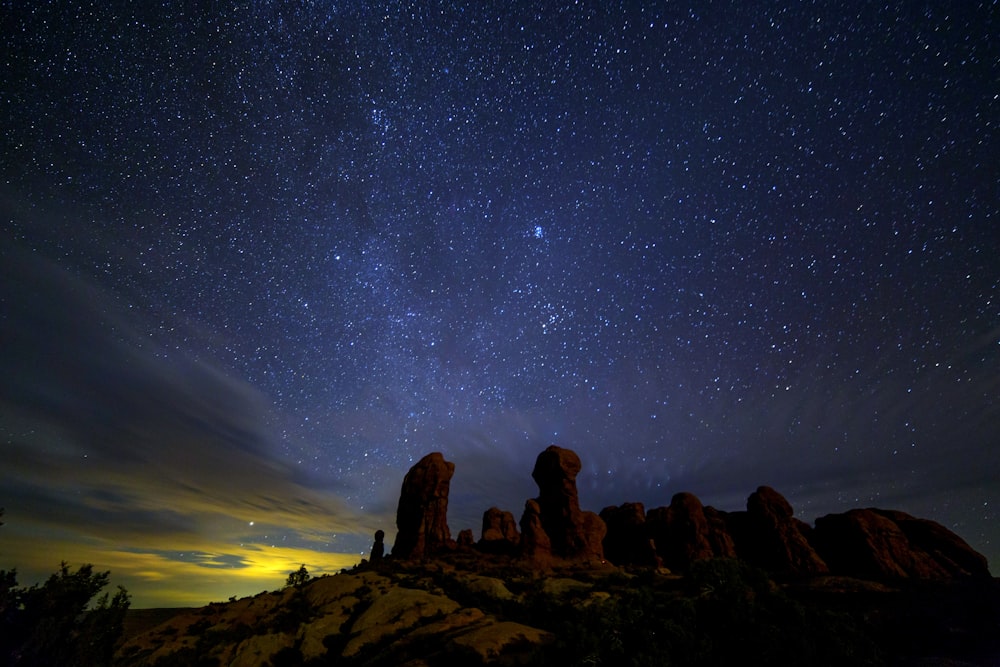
(464, 608)
(390, 614)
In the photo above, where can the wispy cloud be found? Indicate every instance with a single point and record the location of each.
(124, 453)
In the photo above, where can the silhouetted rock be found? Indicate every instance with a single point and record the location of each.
(422, 514)
(627, 541)
(868, 543)
(769, 536)
(573, 534)
(593, 530)
(886, 544)
(863, 543)
(535, 542)
(718, 533)
(656, 525)
(948, 550)
(499, 534)
(378, 548)
(687, 531)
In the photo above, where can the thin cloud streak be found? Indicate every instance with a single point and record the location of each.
(113, 443)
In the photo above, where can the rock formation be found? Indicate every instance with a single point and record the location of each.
(885, 544)
(535, 542)
(593, 531)
(768, 536)
(422, 514)
(466, 538)
(378, 548)
(628, 541)
(948, 550)
(572, 533)
(868, 543)
(687, 531)
(499, 534)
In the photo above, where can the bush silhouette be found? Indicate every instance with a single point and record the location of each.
(297, 578)
(51, 625)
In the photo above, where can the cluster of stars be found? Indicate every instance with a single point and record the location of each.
(675, 237)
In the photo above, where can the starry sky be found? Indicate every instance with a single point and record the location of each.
(258, 258)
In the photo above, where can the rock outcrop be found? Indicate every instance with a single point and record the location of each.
(628, 541)
(466, 538)
(886, 544)
(768, 536)
(422, 514)
(572, 533)
(869, 543)
(593, 530)
(378, 547)
(949, 551)
(535, 542)
(499, 535)
(865, 543)
(687, 531)
(362, 617)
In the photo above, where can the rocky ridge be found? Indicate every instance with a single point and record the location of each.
(388, 614)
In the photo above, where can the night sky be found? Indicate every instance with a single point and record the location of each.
(259, 258)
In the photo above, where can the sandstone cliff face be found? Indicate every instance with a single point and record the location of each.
(422, 513)
(572, 533)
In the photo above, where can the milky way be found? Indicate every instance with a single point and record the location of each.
(708, 247)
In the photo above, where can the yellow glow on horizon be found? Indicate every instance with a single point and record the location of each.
(156, 579)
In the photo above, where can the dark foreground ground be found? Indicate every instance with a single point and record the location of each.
(483, 612)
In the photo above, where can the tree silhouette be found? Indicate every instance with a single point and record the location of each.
(298, 577)
(50, 624)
